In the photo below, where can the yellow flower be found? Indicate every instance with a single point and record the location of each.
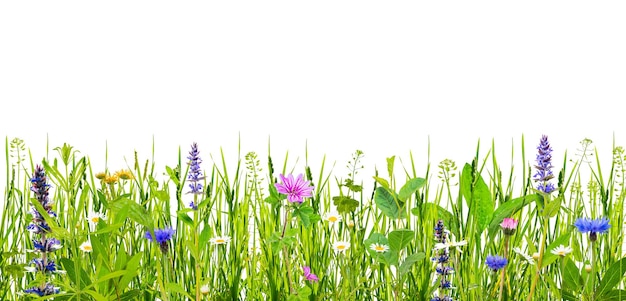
(101, 175)
(124, 174)
(111, 179)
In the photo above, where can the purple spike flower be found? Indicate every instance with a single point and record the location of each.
(544, 166)
(195, 174)
(295, 189)
(39, 227)
(442, 258)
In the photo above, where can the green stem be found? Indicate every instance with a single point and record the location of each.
(542, 247)
(503, 272)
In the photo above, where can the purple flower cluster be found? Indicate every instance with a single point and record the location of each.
(195, 174)
(442, 258)
(40, 228)
(544, 166)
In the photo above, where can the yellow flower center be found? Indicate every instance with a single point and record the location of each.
(332, 219)
(95, 219)
(220, 241)
(379, 248)
(341, 247)
(87, 248)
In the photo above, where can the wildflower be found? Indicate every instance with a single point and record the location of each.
(204, 289)
(45, 245)
(112, 179)
(341, 246)
(544, 166)
(495, 262)
(593, 226)
(332, 217)
(124, 174)
(508, 226)
(95, 217)
(442, 258)
(351, 223)
(162, 236)
(46, 290)
(308, 275)
(220, 240)
(195, 174)
(529, 259)
(295, 189)
(379, 248)
(588, 268)
(101, 175)
(86, 247)
(39, 226)
(447, 245)
(561, 251)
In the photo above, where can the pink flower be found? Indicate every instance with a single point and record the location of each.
(308, 275)
(509, 225)
(295, 189)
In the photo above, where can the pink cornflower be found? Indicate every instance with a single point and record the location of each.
(508, 225)
(308, 275)
(295, 189)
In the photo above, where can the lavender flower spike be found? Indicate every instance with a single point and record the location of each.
(544, 166)
(195, 174)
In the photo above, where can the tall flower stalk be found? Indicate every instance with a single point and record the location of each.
(194, 177)
(42, 243)
(509, 225)
(442, 259)
(593, 227)
(545, 187)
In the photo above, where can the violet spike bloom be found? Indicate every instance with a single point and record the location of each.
(544, 166)
(195, 174)
(308, 275)
(295, 189)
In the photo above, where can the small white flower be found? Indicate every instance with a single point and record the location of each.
(332, 217)
(95, 217)
(379, 248)
(561, 251)
(86, 247)
(30, 269)
(220, 240)
(204, 289)
(341, 246)
(527, 257)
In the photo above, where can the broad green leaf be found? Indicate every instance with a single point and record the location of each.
(176, 288)
(134, 211)
(410, 187)
(398, 239)
(388, 203)
(345, 204)
(478, 196)
(182, 215)
(382, 182)
(389, 257)
(613, 295)
(132, 268)
(409, 261)
(390, 162)
(552, 207)
(612, 277)
(571, 275)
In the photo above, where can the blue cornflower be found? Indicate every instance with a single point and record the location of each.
(47, 290)
(495, 262)
(593, 226)
(162, 237)
(544, 166)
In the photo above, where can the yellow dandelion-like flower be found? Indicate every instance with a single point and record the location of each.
(111, 179)
(332, 217)
(101, 175)
(220, 240)
(124, 174)
(379, 248)
(86, 247)
(341, 246)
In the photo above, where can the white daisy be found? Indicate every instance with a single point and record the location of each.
(95, 217)
(561, 251)
(379, 248)
(220, 240)
(527, 257)
(341, 246)
(456, 244)
(332, 217)
(86, 247)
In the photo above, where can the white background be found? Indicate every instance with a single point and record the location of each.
(380, 76)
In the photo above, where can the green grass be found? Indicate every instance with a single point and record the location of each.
(271, 239)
